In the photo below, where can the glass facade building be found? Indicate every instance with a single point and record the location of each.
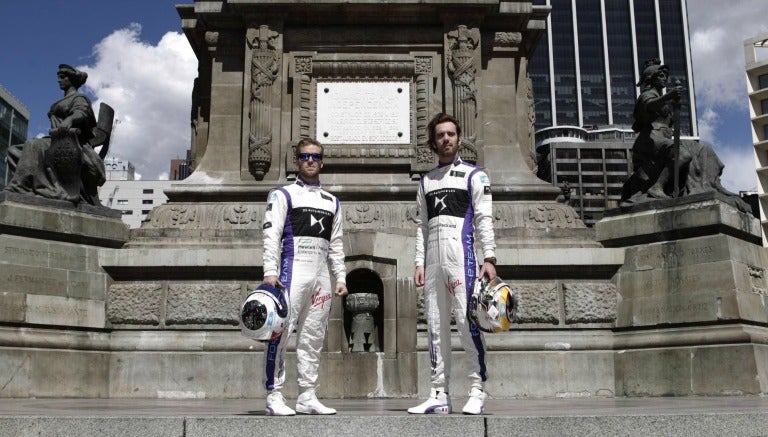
(586, 67)
(14, 120)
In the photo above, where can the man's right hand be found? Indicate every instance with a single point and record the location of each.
(273, 281)
(418, 276)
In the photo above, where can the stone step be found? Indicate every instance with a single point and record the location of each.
(694, 416)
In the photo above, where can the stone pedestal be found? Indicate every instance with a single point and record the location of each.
(692, 299)
(53, 296)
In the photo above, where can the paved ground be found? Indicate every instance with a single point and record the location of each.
(695, 417)
(383, 407)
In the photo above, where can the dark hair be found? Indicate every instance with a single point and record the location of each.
(76, 77)
(307, 142)
(438, 119)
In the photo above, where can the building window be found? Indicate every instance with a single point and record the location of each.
(148, 191)
(127, 212)
(145, 211)
(591, 154)
(146, 202)
(762, 81)
(764, 107)
(122, 201)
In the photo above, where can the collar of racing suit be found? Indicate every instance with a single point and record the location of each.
(302, 183)
(454, 163)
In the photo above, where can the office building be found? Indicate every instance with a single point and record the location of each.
(585, 72)
(590, 166)
(134, 198)
(756, 56)
(119, 170)
(586, 66)
(180, 168)
(14, 119)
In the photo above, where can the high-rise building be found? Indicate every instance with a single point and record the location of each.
(14, 119)
(585, 72)
(586, 66)
(756, 56)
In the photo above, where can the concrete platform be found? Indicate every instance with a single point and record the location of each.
(700, 417)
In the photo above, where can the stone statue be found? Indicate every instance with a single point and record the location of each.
(666, 166)
(64, 165)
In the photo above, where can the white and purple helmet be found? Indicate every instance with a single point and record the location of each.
(264, 314)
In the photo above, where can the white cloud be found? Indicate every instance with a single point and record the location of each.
(717, 40)
(717, 34)
(150, 89)
(739, 173)
(708, 122)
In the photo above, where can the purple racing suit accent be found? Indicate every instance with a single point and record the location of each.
(454, 204)
(303, 220)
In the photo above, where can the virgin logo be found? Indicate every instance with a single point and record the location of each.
(319, 300)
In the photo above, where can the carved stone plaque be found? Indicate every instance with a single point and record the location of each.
(363, 112)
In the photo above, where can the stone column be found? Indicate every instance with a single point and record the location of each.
(220, 158)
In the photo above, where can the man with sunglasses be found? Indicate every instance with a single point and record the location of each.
(453, 205)
(305, 221)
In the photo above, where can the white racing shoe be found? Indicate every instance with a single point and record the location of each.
(307, 403)
(438, 403)
(276, 405)
(476, 402)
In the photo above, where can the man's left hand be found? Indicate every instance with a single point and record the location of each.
(488, 270)
(341, 289)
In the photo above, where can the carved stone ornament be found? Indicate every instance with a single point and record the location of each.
(468, 151)
(424, 155)
(422, 65)
(555, 216)
(265, 65)
(243, 215)
(507, 39)
(363, 214)
(461, 63)
(303, 64)
(211, 38)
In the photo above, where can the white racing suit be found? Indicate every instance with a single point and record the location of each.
(307, 221)
(453, 202)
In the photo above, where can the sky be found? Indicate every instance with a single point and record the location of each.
(139, 62)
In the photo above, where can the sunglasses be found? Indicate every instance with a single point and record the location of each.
(304, 157)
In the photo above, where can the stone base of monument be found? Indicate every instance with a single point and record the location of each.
(177, 286)
(53, 295)
(692, 312)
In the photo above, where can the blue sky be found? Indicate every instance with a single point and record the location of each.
(140, 63)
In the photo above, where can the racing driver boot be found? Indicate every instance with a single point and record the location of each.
(438, 403)
(276, 405)
(307, 403)
(476, 402)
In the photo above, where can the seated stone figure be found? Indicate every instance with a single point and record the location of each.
(64, 165)
(653, 152)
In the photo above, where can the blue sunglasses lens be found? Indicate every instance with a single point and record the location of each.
(304, 157)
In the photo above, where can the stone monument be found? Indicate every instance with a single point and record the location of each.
(53, 291)
(692, 289)
(272, 73)
(364, 78)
